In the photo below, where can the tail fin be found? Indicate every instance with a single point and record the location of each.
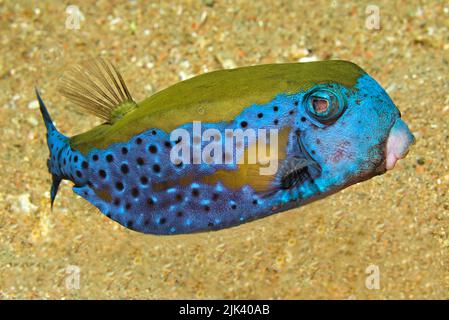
(56, 142)
(47, 120)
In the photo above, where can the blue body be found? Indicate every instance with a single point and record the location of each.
(119, 180)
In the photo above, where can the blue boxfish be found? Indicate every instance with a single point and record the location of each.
(225, 147)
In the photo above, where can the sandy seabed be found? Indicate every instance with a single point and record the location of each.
(397, 223)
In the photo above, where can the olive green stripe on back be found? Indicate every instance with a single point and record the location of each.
(217, 96)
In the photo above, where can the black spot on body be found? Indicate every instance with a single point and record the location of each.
(102, 173)
(152, 149)
(144, 180)
(119, 186)
(60, 154)
(124, 168)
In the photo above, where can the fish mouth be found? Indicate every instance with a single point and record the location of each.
(398, 143)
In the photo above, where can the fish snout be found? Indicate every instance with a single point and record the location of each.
(398, 143)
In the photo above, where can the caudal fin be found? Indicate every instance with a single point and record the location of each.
(56, 142)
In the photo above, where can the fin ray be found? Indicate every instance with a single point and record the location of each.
(98, 88)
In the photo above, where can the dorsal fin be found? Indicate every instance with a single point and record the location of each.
(98, 88)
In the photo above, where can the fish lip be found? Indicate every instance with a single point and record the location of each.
(397, 144)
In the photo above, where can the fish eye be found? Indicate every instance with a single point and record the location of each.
(324, 104)
(320, 105)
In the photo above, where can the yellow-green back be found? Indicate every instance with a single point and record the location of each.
(216, 96)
